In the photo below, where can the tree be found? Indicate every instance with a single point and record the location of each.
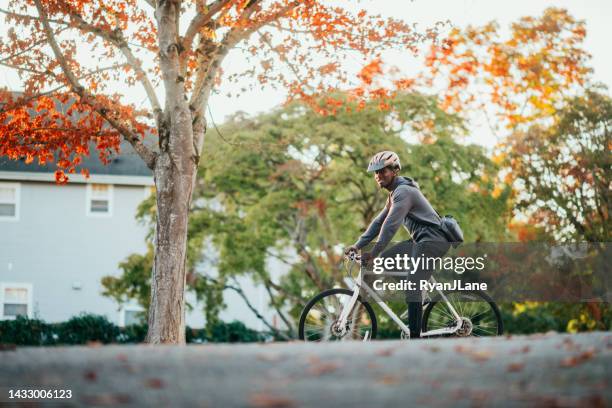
(528, 79)
(522, 78)
(68, 100)
(294, 179)
(563, 172)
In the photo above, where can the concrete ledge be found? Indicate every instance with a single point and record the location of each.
(549, 370)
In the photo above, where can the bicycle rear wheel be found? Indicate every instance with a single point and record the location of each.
(319, 318)
(480, 315)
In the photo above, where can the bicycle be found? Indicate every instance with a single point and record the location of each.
(341, 314)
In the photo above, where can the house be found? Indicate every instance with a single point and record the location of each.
(58, 241)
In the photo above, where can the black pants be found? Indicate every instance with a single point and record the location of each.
(414, 298)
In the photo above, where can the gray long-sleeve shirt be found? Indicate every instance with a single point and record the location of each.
(408, 206)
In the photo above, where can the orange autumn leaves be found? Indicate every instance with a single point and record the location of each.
(369, 71)
(524, 75)
(60, 129)
(518, 79)
(374, 84)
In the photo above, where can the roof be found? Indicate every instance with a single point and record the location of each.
(124, 168)
(128, 163)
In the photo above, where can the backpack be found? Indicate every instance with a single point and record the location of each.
(450, 227)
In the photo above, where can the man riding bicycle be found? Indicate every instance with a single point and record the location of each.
(406, 205)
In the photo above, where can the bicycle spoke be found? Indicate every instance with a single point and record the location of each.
(445, 311)
(314, 334)
(318, 323)
(472, 306)
(338, 303)
(476, 315)
(444, 320)
(492, 332)
(321, 310)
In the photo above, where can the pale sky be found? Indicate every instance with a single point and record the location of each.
(596, 13)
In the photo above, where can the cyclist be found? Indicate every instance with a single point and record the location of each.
(406, 205)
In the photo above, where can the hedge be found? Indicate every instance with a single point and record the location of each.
(94, 328)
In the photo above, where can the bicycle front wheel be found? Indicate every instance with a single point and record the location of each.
(479, 314)
(319, 319)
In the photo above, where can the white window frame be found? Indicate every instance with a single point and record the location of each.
(88, 197)
(16, 285)
(128, 308)
(17, 187)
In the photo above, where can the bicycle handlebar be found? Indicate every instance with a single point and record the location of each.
(352, 256)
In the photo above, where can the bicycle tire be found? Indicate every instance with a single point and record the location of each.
(330, 292)
(484, 296)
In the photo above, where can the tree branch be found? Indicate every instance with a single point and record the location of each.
(248, 303)
(273, 17)
(280, 313)
(18, 68)
(205, 77)
(29, 17)
(25, 100)
(282, 57)
(116, 38)
(144, 152)
(200, 20)
(31, 47)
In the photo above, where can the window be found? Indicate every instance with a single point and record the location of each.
(9, 201)
(99, 199)
(16, 300)
(131, 314)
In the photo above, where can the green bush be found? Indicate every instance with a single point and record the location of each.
(539, 317)
(195, 335)
(134, 333)
(88, 327)
(233, 332)
(26, 332)
(531, 321)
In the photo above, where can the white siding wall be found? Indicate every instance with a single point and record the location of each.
(63, 253)
(57, 248)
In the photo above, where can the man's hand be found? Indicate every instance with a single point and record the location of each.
(366, 258)
(350, 249)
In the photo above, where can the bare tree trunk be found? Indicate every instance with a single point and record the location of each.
(175, 172)
(181, 127)
(167, 310)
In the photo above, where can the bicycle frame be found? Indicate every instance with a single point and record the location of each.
(349, 304)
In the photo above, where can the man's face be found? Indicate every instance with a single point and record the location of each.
(384, 177)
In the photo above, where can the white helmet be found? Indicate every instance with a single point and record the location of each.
(384, 159)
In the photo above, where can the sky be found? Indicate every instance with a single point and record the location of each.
(596, 13)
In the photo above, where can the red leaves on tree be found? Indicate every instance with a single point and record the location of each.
(61, 129)
(368, 72)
